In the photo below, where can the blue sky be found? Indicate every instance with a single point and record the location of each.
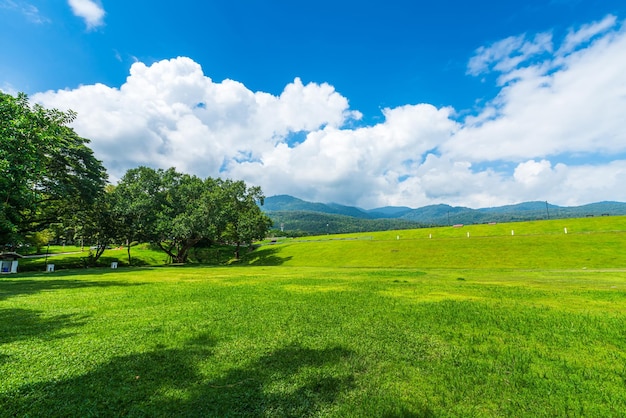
(367, 103)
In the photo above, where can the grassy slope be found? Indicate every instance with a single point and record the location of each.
(484, 338)
(589, 243)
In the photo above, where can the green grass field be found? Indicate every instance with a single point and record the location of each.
(531, 324)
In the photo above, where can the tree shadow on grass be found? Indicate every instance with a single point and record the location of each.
(403, 412)
(289, 382)
(20, 324)
(264, 256)
(17, 287)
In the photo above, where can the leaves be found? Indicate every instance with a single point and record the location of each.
(176, 211)
(46, 170)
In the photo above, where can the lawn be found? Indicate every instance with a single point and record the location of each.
(330, 327)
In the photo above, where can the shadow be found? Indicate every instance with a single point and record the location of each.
(17, 287)
(264, 256)
(424, 412)
(289, 382)
(64, 263)
(4, 358)
(20, 324)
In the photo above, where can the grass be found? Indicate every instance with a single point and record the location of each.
(348, 328)
(70, 257)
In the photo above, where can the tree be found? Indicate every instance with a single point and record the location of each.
(137, 200)
(164, 207)
(186, 216)
(99, 225)
(39, 239)
(246, 221)
(46, 170)
(176, 211)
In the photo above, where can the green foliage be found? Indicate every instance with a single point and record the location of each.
(246, 223)
(39, 239)
(177, 211)
(47, 171)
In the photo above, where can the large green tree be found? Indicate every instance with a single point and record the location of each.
(137, 200)
(176, 211)
(47, 171)
(98, 224)
(246, 222)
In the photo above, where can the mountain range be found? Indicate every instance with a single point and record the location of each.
(291, 214)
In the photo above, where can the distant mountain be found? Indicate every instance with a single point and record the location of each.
(296, 223)
(389, 211)
(439, 214)
(290, 203)
(313, 218)
(448, 215)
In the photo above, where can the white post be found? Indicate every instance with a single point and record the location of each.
(512, 232)
(565, 230)
(430, 235)
(468, 235)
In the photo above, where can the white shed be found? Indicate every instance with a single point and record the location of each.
(8, 262)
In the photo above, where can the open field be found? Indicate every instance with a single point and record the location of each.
(531, 324)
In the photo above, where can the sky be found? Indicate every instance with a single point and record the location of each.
(368, 103)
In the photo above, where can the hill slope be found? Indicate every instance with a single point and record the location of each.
(589, 243)
(316, 218)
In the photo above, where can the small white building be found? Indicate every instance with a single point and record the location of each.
(8, 262)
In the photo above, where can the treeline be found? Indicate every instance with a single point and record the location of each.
(301, 223)
(52, 188)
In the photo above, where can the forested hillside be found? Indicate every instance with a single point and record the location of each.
(293, 216)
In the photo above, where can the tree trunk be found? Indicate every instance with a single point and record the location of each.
(182, 251)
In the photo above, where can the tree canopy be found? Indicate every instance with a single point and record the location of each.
(51, 184)
(47, 171)
(176, 211)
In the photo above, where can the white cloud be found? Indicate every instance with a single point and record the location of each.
(569, 104)
(507, 54)
(30, 11)
(554, 110)
(353, 165)
(170, 113)
(89, 10)
(585, 33)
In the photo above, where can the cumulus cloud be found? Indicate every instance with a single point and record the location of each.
(170, 113)
(560, 103)
(90, 11)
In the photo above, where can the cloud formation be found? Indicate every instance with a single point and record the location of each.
(90, 11)
(30, 11)
(554, 132)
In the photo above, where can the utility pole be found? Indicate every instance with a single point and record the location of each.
(547, 210)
